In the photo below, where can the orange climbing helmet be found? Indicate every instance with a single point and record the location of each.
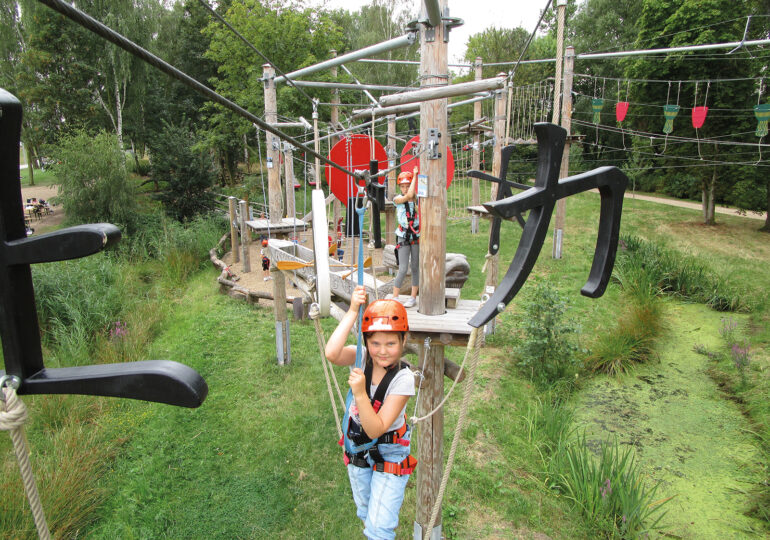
(264, 242)
(385, 316)
(405, 178)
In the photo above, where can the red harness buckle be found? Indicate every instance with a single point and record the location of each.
(399, 469)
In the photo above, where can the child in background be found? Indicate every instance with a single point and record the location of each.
(407, 235)
(378, 476)
(265, 262)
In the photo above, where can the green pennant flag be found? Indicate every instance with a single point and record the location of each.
(762, 112)
(670, 112)
(596, 105)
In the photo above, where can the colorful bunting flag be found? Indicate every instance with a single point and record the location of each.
(621, 108)
(596, 105)
(762, 112)
(670, 112)
(699, 116)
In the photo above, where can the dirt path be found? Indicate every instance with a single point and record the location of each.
(686, 434)
(692, 205)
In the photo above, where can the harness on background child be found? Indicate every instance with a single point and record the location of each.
(410, 234)
(359, 442)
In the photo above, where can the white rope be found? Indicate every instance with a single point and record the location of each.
(13, 415)
(315, 313)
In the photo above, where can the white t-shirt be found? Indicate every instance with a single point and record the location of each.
(401, 385)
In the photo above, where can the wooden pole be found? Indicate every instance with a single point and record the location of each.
(561, 206)
(245, 236)
(288, 159)
(434, 72)
(316, 147)
(335, 118)
(566, 123)
(390, 213)
(282, 340)
(499, 125)
(232, 202)
(476, 155)
(273, 146)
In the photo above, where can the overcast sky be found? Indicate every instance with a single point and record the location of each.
(477, 14)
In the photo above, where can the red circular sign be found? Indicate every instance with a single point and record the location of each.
(353, 153)
(412, 146)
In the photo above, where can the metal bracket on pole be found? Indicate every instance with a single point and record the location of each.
(435, 534)
(433, 143)
(279, 341)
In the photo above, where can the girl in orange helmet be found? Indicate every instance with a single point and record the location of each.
(377, 415)
(407, 235)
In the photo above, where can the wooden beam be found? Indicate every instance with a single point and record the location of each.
(476, 153)
(441, 92)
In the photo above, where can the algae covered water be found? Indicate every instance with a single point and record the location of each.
(685, 432)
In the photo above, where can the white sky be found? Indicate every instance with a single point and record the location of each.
(477, 14)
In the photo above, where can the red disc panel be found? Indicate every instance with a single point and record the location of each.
(412, 147)
(353, 153)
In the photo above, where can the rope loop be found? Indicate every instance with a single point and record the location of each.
(13, 412)
(314, 311)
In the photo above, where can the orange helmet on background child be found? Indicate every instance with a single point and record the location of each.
(405, 178)
(385, 316)
(264, 243)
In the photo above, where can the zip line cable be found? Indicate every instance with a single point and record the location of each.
(252, 47)
(98, 28)
(512, 72)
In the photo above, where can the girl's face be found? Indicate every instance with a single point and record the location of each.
(385, 348)
(404, 188)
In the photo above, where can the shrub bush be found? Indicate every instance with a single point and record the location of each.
(91, 171)
(548, 346)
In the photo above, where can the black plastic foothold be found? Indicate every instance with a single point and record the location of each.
(540, 201)
(157, 380)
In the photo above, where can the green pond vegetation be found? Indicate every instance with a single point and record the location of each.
(554, 446)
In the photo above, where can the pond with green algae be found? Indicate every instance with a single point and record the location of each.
(687, 435)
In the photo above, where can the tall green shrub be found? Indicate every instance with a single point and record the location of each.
(548, 346)
(93, 180)
(185, 171)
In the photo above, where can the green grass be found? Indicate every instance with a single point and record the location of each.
(42, 178)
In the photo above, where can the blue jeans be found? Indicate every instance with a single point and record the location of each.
(378, 496)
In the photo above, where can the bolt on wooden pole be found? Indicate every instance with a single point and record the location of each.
(234, 249)
(566, 123)
(476, 154)
(245, 236)
(434, 71)
(273, 146)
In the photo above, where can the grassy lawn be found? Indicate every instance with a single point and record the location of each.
(259, 458)
(42, 178)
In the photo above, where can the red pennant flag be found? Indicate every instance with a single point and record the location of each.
(621, 108)
(699, 116)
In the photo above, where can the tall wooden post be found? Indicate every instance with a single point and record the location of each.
(476, 155)
(335, 118)
(390, 213)
(273, 146)
(232, 202)
(288, 159)
(566, 123)
(561, 206)
(245, 236)
(499, 133)
(316, 146)
(282, 337)
(433, 136)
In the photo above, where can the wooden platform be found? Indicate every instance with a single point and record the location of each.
(286, 225)
(451, 328)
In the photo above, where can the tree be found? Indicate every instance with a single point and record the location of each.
(186, 170)
(93, 180)
(723, 82)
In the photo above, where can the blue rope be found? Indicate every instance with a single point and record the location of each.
(348, 444)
